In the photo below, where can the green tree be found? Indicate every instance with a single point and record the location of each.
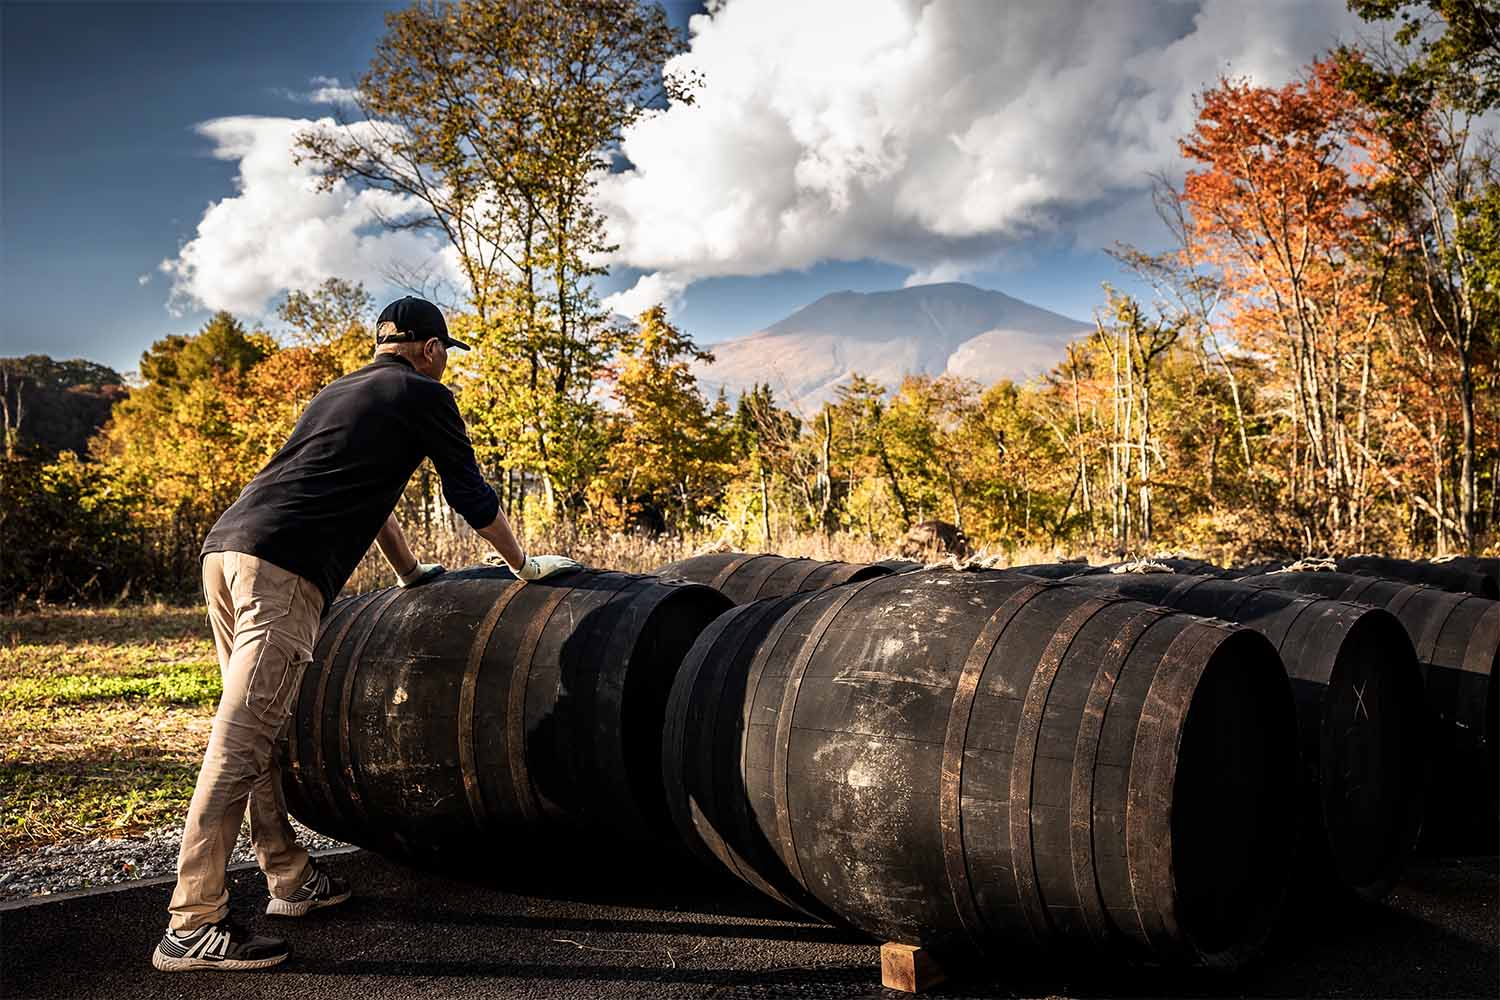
(1456, 52)
(923, 428)
(68, 533)
(862, 402)
(670, 449)
(52, 406)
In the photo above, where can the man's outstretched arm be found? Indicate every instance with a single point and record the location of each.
(391, 541)
(466, 491)
(499, 535)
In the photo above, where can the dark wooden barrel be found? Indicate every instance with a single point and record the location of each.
(897, 565)
(1057, 571)
(979, 762)
(475, 708)
(1488, 565)
(744, 577)
(1359, 711)
(1457, 639)
(1459, 577)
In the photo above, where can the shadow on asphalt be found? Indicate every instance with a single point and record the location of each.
(645, 930)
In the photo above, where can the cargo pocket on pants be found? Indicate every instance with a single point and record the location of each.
(274, 679)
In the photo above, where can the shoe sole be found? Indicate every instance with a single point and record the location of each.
(166, 963)
(286, 908)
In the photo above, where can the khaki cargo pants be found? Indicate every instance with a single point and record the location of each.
(264, 620)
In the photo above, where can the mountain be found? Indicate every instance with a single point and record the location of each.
(925, 330)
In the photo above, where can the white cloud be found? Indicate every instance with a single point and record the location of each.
(943, 136)
(279, 232)
(649, 290)
(143, 280)
(324, 90)
(932, 134)
(328, 90)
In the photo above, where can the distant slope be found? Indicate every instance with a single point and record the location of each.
(929, 329)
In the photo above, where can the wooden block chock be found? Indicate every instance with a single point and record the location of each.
(909, 968)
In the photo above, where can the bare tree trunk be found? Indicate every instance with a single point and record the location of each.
(765, 508)
(1468, 498)
(825, 474)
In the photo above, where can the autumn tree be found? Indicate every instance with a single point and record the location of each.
(1427, 88)
(923, 434)
(669, 451)
(862, 403)
(495, 118)
(1015, 479)
(1280, 201)
(329, 334)
(336, 319)
(766, 439)
(174, 441)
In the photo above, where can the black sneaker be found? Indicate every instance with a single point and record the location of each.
(224, 945)
(320, 889)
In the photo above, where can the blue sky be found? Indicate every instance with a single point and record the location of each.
(103, 173)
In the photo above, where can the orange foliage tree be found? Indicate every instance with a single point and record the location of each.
(1282, 201)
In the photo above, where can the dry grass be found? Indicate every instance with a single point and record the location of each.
(105, 716)
(455, 546)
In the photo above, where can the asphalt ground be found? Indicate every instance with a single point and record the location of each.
(655, 928)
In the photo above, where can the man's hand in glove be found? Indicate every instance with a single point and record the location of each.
(538, 567)
(419, 574)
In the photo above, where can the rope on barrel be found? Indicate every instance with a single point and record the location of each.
(1142, 565)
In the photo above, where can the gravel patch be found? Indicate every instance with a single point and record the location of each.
(63, 867)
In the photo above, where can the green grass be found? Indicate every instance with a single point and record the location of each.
(104, 715)
(174, 684)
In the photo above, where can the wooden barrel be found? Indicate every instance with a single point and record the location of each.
(1488, 565)
(1459, 577)
(1359, 711)
(897, 564)
(744, 578)
(1457, 640)
(476, 707)
(977, 761)
(1057, 571)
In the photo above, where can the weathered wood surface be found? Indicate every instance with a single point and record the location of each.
(1458, 576)
(1364, 731)
(1457, 641)
(962, 760)
(744, 577)
(477, 707)
(910, 969)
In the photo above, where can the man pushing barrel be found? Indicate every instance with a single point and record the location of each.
(271, 564)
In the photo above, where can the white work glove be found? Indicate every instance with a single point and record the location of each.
(538, 567)
(420, 574)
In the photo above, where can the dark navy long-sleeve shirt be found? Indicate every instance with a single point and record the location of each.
(318, 504)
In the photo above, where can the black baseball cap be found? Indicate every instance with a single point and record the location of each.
(417, 320)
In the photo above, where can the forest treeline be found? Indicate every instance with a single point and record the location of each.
(1314, 371)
